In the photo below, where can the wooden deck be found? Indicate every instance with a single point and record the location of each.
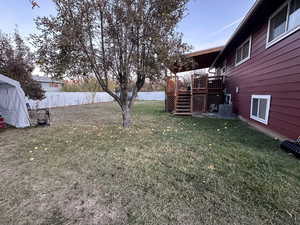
(194, 98)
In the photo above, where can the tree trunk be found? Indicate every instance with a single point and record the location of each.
(126, 113)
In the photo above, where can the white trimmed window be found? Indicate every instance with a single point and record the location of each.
(243, 52)
(284, 22)
(260, 108)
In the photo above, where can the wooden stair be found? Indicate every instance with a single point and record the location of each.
(183, 104)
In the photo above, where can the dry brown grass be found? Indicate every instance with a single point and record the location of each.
(85, 169)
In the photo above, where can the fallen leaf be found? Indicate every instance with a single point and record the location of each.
(211, 167)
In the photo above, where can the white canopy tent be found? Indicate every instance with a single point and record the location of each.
(13, 103)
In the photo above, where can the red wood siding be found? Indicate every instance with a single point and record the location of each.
(274, 71)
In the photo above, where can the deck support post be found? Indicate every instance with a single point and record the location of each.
(192, 88)
(176, 91)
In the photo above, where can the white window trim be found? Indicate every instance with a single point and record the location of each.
(286, 33)
(249, 56)
(268, 97)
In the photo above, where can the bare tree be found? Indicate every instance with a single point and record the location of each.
(124, 40)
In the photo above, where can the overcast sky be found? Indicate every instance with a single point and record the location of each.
(209, 23)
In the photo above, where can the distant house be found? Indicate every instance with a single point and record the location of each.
(261, 62)
(48, 84)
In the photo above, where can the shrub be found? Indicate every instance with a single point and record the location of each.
(85, 85)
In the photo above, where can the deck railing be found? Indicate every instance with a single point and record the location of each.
(215, 82)
(174, 84)
(206, 82)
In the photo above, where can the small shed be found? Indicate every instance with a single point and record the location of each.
(13, 103)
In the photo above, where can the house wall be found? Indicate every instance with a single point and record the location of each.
(274, 71)
(51, 87)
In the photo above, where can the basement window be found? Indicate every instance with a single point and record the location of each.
(284, 22)
(243, 52)
(260, 107)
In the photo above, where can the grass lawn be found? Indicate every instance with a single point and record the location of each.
(85, 169)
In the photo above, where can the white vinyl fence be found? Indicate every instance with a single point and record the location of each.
(62, 99)
(151, 96)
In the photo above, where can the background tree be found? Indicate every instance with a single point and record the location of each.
(124, 40)
(17, 62)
